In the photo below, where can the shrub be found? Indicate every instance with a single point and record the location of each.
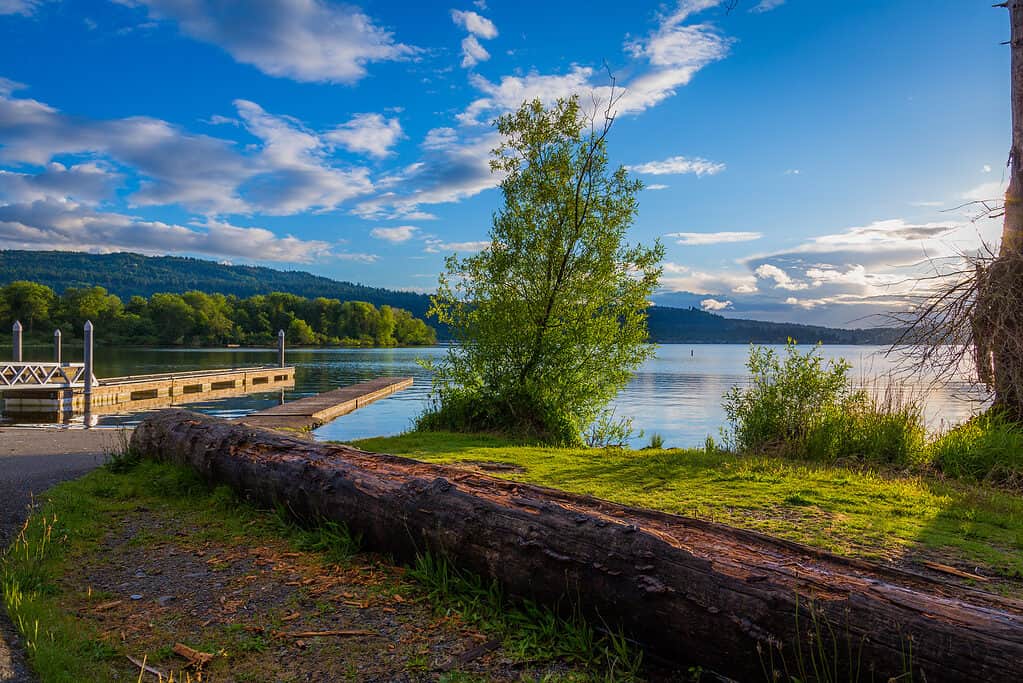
(802, 405)
(988, 447)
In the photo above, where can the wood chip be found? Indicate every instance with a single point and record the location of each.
(315, 634)
(107, 605)
(946, 569)
(145, 668)
(194, 656)
(291, 617)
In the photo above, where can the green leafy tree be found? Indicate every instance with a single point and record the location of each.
(551, 317)
(28, 302)
(299, 332)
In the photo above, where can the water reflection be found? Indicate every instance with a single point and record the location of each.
(676, 394)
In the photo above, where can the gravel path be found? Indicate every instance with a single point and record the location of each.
(31, 461)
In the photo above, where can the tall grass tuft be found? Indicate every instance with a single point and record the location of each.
(801, 405)
(988, 448)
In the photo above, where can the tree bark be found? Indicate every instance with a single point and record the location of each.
(692, 591)
(1012, 228)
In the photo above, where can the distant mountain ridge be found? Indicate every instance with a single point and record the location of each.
(128, 274)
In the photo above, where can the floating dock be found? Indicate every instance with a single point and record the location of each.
(139, 392)
(309, 413)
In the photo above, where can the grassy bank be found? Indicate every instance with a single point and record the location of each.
(872, 512)
(131, 560)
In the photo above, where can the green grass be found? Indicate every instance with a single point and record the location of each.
(70, 525)
(851, 510)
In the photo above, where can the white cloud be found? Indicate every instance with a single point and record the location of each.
(87, 182)
(290, 171)
(510, 92)
(674, 53)
(401, 233)
(782, 280)
(655, 186)
(766, 6)
(681, 278)
(474, 23)
(452, 169)
(22, 7)
(715, 305)
(359, 257)
(437, 246)
(690, 239)
(296, 176)
(371, 134)
(305, 40)
(926, 204)
(678, 165)
(472, 52)
(199, 171)
(55, 224)
(478, 27)
(986, 168)
(793, 171)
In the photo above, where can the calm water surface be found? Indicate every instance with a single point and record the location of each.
(676, 394)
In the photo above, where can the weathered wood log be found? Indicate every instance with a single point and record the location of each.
(696, 592)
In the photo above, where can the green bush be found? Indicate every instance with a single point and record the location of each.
(801, 405)
(988, 447)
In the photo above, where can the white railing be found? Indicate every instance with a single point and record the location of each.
(42, 375)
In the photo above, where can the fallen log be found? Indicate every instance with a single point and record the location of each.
(695, 592)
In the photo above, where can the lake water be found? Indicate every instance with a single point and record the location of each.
(676, 394)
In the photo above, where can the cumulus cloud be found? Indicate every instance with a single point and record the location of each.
(176, 166)
(88, 182)
(55, 224)
(451, 169)
(296, 175)
(681, 278)
(472, 52)
(781, 279)
(371, 134)
(478, 27)
(305, 40)
(509, 92)
(691, 239)
(715, 305)
(401, 233)
(678, 165)
(474, 23)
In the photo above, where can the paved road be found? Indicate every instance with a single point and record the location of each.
(31, 461)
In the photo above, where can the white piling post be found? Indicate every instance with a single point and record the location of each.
(280, 348)
(88, 363)
(56, 346)
(16, 341)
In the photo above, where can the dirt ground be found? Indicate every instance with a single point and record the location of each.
(267, 613)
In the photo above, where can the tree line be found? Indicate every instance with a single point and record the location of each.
(200, 319)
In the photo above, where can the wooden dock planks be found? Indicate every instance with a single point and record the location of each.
(145, 392)
(309, 413)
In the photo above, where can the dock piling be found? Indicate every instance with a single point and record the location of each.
(280, 348)
(56, 346)
(88, 361)
(16, 342)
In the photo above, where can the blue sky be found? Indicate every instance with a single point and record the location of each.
(801, 157)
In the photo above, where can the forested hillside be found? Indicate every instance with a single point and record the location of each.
(126, 275)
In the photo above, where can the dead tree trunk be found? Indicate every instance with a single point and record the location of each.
(998, 345)
(695, 592)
